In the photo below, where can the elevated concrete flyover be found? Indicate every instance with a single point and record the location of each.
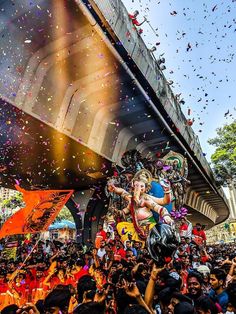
(80, 92)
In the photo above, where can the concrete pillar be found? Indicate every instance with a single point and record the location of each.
(232, 199)
(78, 205)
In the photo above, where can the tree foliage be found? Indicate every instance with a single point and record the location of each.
(13, 202)
(9, 206)
(64, 215)
(224, 157)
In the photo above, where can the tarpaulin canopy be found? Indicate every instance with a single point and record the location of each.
(62, 225)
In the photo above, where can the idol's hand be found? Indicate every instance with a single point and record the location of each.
(111, 187)
(168, 220)
(165, 184)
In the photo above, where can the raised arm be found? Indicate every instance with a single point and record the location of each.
(163, 200)
(46, 281)
(13, 275)
(150, 289)
(132, 291)
(233, 266)
(162, 211)
(119, 191)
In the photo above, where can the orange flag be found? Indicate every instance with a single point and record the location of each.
(40, 211)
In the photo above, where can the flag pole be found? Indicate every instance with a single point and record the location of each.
(27, 257)
(151, 27)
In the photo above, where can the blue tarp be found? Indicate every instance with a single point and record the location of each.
(62, 225)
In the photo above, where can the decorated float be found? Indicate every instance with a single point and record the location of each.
(147, 199)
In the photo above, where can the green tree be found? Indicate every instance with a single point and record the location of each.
(224, 157)
(64, 215)
(14, 201)
(9, 206)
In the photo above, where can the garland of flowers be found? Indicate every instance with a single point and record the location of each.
(178, 214)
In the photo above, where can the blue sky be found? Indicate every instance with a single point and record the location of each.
(206, 73)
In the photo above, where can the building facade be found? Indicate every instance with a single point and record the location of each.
(225, 232)
(6, 194)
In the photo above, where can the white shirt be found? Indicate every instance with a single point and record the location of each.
(101, 252)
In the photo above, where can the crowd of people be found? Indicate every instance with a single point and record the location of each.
(112, 276)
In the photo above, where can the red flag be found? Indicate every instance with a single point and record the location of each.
(40, 211)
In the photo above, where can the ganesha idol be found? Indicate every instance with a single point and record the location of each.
(140, 206)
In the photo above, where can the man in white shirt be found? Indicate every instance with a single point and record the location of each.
(101, 250)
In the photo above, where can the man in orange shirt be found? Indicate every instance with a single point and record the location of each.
(100, 236)
(16, 292)
(38, 290)
(79, 271)
(58, 277)
(134, 20)
(199, 236)
(183, 227)
(3, 287)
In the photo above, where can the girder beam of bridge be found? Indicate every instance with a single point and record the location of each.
(77, 92)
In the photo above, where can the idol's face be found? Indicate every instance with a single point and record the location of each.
(140, 185)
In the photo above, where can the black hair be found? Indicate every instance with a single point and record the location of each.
(173, 283)
(184, 308)
(128, 250)
(182, 298)
(127, 275)
(177, 266)
(196, 274)
(10, 309)
(90, 294)
(62, 259)
(40, 268)
(165, 296)
(60, 269)
(20, 274)
(204, 303)
(40, 306)
(124, 263)
(89, 307)
(116, 276)
(59, 297)
(80, 262)
(219, 274)
(122, 300)
(135, 309)
(138, 275)
(3, 272)
(85, 283)
(231, 290)
(163, 274)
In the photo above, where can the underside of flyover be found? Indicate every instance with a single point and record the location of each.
(28, 158)
(70, 107)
